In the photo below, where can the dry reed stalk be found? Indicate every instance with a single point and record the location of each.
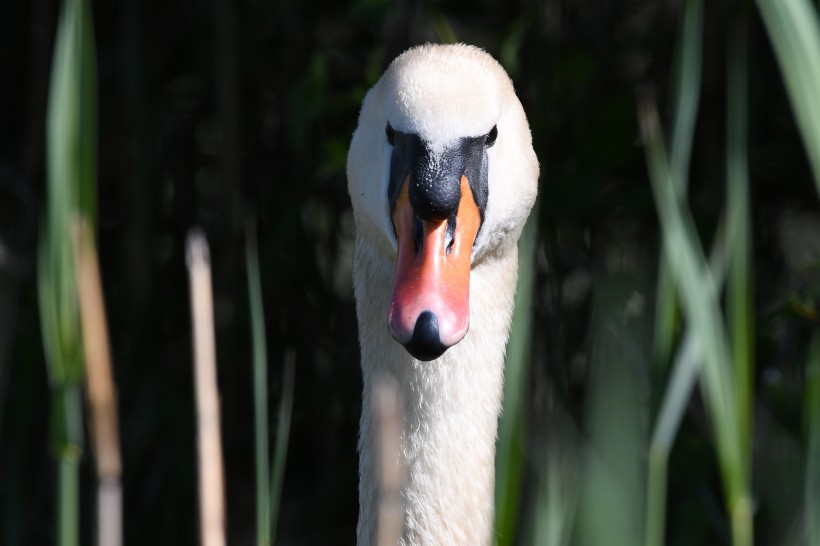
(392, 472)
(211, 487)
(100, 389)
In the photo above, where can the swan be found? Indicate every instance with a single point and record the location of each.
(442, 176)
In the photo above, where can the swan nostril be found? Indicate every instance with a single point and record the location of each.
(418, 233)
(449, 235)
(426, 343)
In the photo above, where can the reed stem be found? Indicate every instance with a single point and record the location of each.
(211, 487)
(99, 385)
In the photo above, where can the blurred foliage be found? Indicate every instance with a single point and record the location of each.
(211, 113)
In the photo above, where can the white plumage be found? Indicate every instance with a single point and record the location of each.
(451, 405)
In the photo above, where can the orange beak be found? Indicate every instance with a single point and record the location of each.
(430, 305)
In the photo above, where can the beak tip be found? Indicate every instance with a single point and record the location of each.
(425, 343)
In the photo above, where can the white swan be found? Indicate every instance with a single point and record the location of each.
(442, 151)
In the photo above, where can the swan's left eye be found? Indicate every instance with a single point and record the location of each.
(489, 140)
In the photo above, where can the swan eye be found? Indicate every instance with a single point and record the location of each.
(489, 140)
(391, 135)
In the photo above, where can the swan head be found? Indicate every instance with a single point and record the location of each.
(442, 175)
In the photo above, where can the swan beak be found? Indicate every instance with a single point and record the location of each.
(430, 304)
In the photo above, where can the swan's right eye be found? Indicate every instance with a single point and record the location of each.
(391, 135)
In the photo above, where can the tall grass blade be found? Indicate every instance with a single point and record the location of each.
(812, 413)
(69, 154)
(685, 371)
(69, 486)
(260, 389)
(794, 31)
(71, 185)
(699, 299)
(67, 415)
(739, 297)
(679, 390)
(655, 524)
(509, 460)
(556, 496)
(686, 86)
(610, 509)
(693, 279)
(280, 453)
(269, 474)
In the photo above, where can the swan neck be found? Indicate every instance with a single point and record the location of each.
(450, 407)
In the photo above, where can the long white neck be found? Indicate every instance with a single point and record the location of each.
(451, 408)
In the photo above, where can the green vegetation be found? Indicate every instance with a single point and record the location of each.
(662, 384)
(71, 167)
(269, 475)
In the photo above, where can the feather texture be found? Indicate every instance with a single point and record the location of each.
(451, 405)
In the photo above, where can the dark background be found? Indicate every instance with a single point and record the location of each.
(212, 113)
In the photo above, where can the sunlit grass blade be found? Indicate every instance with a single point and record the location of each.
(280, 453)
(71, 185)
(811, 508)
(678, 392)
(692, 277)
(260, 389)
(686, 86)
(509, 460)
(699, 299)
(794, 31)
(686, 82)
(68, 155)
(685, 371)
(269, 474)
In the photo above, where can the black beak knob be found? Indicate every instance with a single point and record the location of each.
(425, 343)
